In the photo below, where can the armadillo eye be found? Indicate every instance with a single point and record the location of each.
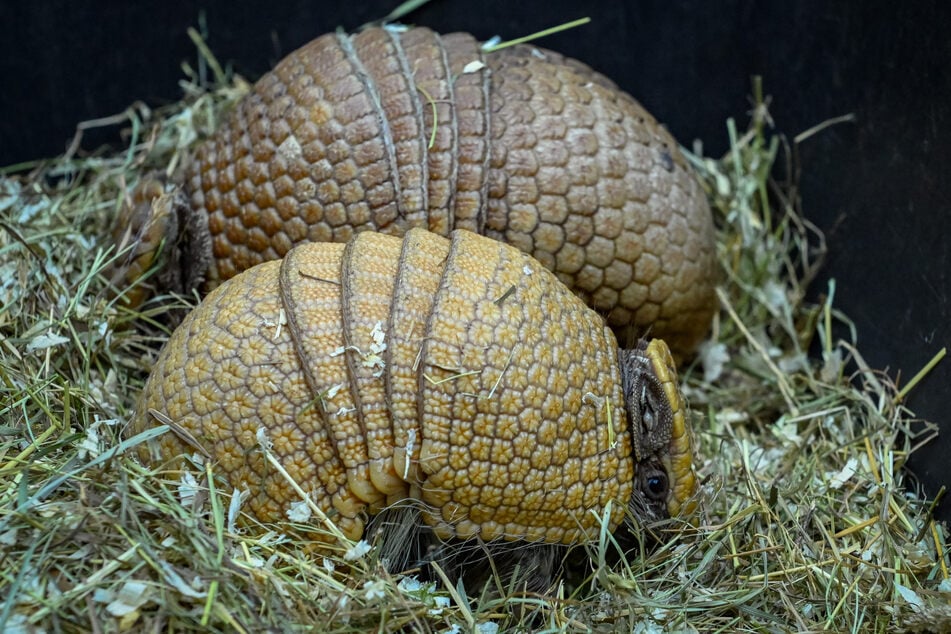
(656, 485)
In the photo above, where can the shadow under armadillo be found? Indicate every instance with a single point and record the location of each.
(404, 544)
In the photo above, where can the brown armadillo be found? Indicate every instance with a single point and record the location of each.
(457, 373)
(392, 129)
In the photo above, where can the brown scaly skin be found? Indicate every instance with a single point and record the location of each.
(458, 373)
(387, 130)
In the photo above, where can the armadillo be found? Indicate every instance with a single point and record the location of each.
(456, 373)
(391, 129)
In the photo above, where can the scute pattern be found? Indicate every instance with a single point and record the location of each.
(488, 370)
(389, 130)
(588, 183)
(497, 404)
(230, 370)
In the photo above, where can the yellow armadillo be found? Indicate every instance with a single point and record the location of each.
(458, 372)
(391, 129)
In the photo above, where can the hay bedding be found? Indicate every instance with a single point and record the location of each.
(810, 523)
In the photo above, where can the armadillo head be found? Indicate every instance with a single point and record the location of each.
(159, 230)
(665, 484)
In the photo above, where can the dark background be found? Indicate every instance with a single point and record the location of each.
(876, 187)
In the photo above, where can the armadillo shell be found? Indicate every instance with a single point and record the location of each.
(458, 373)
(388, 130)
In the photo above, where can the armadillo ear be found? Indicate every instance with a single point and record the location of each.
(650, 411)
(149, 227)
(657, 414)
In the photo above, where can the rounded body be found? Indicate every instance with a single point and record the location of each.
(392, 129)
(459, 373)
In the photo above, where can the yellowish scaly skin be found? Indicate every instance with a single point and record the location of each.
(519, 381)
(459, 372)
(230, 369)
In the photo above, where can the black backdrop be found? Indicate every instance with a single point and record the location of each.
(877, 187)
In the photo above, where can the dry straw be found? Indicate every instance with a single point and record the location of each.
(810, 522)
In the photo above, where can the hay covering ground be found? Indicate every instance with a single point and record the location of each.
(810, 523)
